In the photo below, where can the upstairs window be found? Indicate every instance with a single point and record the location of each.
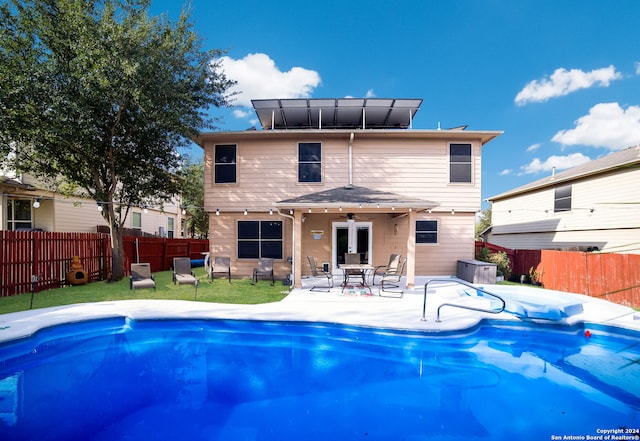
(309, 162)
(427, 231)
(562, 199)
(460, 163)
(260, 239)
(225, 164)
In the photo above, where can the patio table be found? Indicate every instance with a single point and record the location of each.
(362, 267)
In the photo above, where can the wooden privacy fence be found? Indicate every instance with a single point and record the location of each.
(159, 252)
(47, 256)
(611, 276)
(40, 260)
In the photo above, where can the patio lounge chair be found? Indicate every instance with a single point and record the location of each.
(390, 267)
(318, 272)
(141, 276)
(221, 265)
(264, 269)
(391, 279)
(182, 274)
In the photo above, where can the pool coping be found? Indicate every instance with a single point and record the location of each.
(303, 305)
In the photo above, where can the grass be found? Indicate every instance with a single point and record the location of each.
(239, 291)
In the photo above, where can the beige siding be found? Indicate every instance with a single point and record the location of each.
(604, 212)
(267, 172)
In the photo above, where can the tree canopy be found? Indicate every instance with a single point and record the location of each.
(103, 96)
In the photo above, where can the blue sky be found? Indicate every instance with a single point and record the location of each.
(560, 78)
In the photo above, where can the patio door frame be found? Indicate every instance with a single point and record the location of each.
(352, 227)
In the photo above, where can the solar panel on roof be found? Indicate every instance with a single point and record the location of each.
(336, 113)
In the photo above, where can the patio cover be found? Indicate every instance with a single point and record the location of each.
(354, 198)
(351, 196)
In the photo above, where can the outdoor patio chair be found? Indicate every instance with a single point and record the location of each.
(353, 259)
(318, 272)
(221, 265)
(141, 276)
(389, 268)
(182, 274)
(392, 279)
(264, 269)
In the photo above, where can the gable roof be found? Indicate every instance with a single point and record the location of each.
(336, 113)
(351, 196)
(617, 160)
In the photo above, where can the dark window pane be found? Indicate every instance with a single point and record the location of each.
(427, 231)
(225, 173)
(225, 154)
(22, 210)
(460, 172)
(271, 230)
(426, 225)
(309, 152)
(225, 164)
(460, 163)
(272, 249)
(562, 199)
(248, 230)
(460, 152)
(426, 237)
(248, 249)
(309, 172)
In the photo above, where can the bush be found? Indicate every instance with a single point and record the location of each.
(500, 259)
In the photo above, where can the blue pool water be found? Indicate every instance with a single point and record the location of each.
(120, 379)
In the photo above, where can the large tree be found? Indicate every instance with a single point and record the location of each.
(103, 96)
(192, 175)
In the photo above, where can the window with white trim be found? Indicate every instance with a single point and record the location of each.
(136, 220)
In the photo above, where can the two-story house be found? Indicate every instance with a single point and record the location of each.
(594, 206)
(324, 177)
(26, 204)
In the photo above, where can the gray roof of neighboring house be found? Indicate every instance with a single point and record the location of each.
(617, 160)
(351, 196)
(9, 182)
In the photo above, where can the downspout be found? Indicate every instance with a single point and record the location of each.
(293, 243)
(351, 159)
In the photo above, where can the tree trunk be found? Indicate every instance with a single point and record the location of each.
(117, 254)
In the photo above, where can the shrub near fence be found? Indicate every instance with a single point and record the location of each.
(48, 256)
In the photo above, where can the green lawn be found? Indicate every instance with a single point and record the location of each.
(219, 291)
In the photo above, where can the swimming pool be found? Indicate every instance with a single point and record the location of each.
(119, 378)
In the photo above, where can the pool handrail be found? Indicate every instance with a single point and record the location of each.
(457, 305)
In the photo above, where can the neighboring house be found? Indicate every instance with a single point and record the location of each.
(328, 176)
(594, 206)
(25, 205)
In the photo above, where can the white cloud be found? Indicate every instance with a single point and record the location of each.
(370, 93)
(506, 172)
(238, 113)
(607, 125)
(638, 68)
(258, 77)
(533, 147)
(563, 82)
(559, 162)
